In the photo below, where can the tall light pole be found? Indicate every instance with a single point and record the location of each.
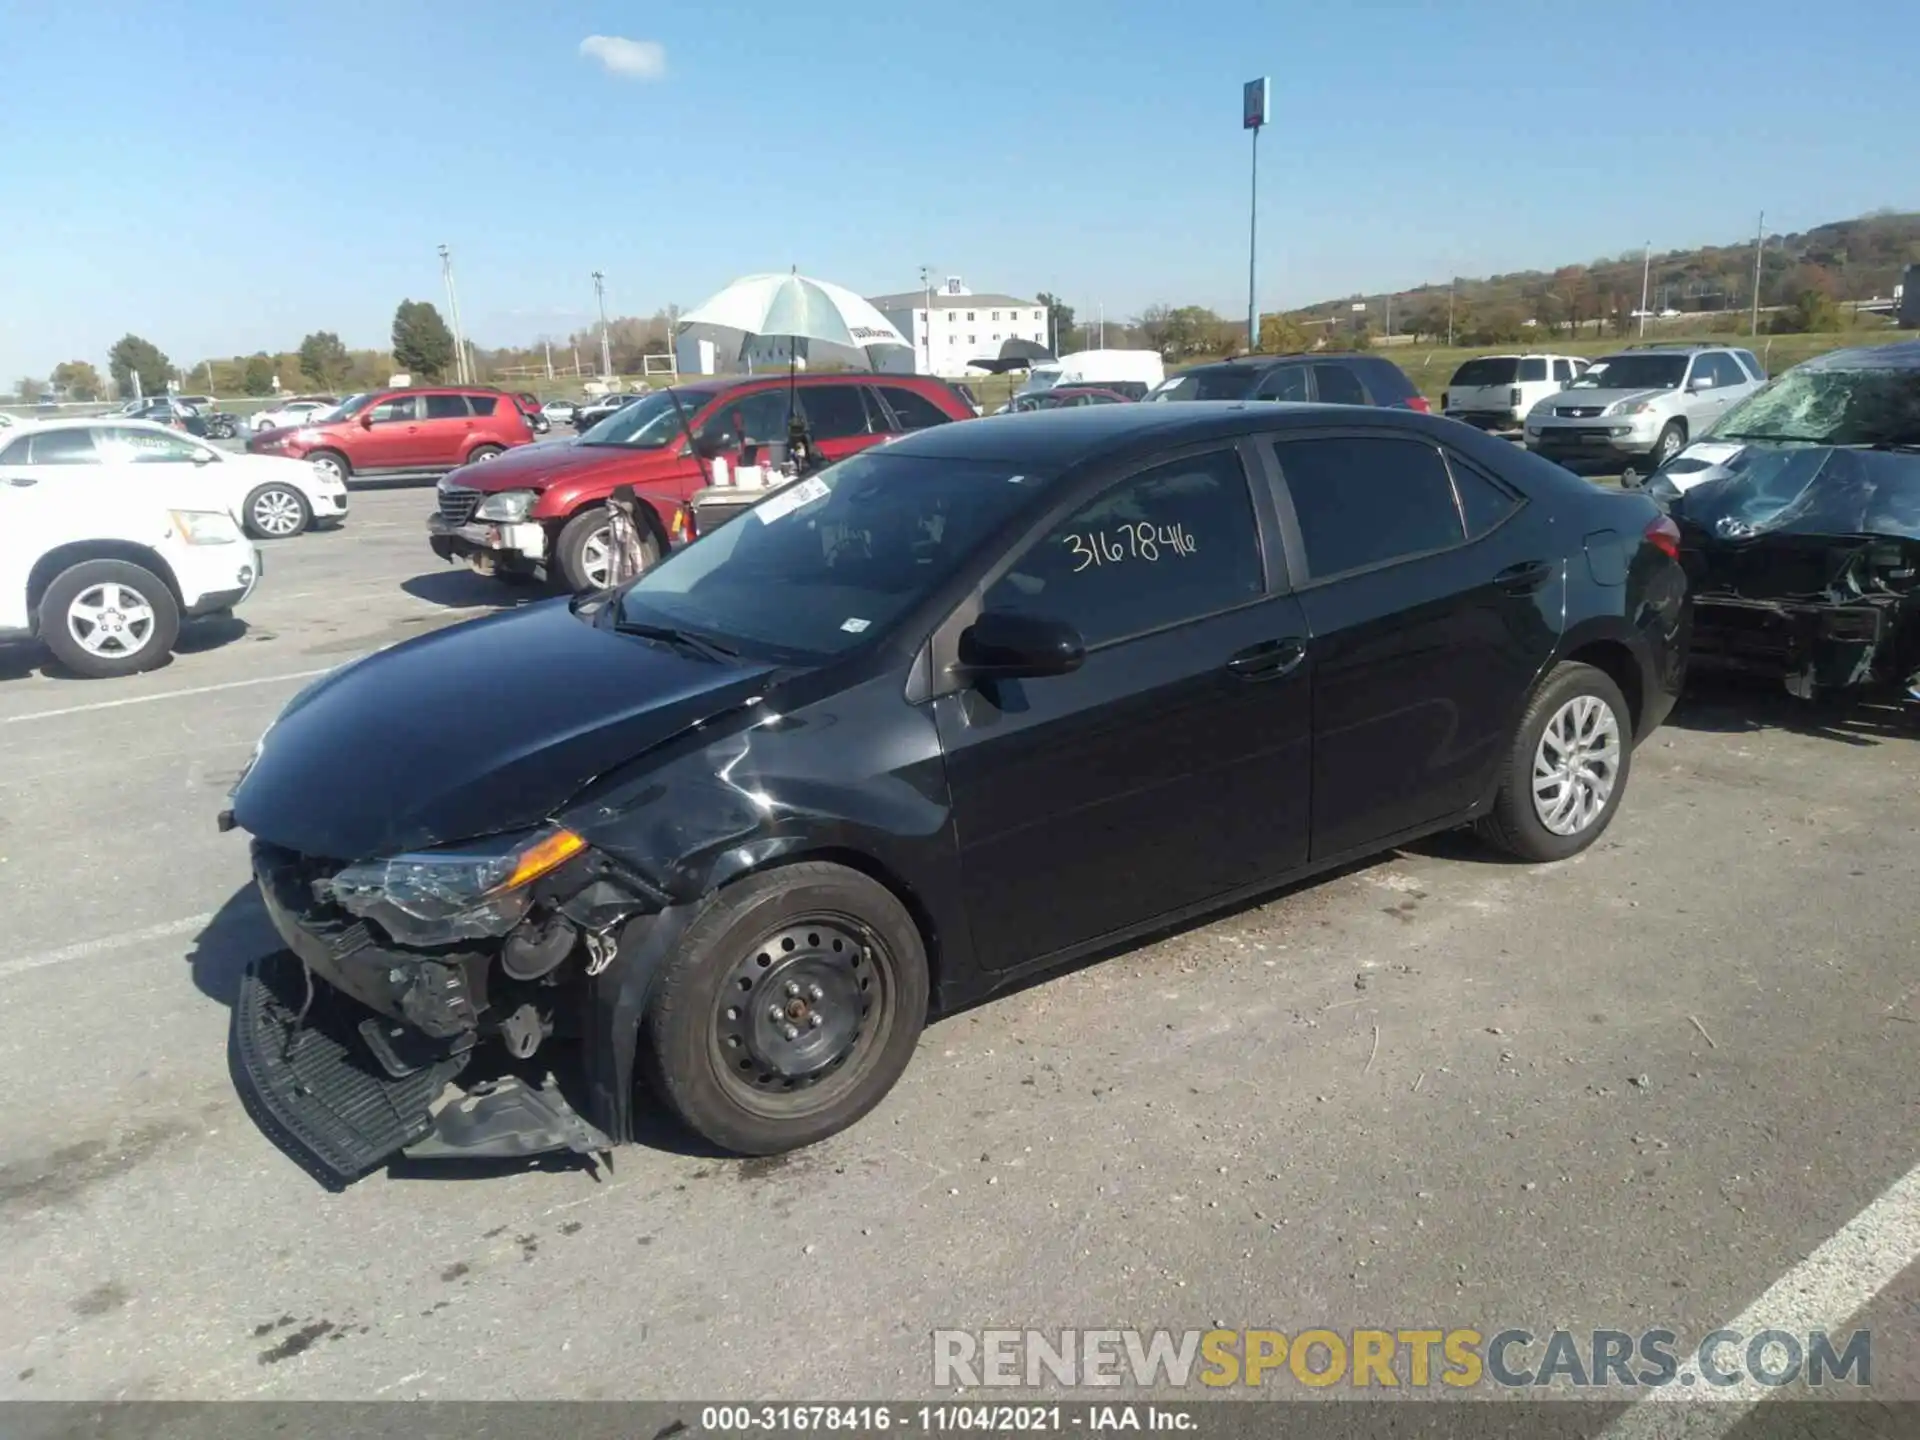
(453, 311)
(1759, 247)
(1646, 274)
(1253, 116)
(1450, 288)
(606, 351)
(926, 284)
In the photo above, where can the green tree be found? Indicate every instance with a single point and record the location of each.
(78, 380)
(28, 389)
(1812, 314)
(422, 343)
(1059, 318)
(1281, 335)
(256, 378)
(131, 355)
(323, 359)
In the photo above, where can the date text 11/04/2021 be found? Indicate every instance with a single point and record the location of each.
(943, 1418)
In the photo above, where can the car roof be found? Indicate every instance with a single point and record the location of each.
(719, 384)
(78, 422)
(1069, 434)
(1901, 355)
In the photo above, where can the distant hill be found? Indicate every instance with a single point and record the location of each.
(1856, 259)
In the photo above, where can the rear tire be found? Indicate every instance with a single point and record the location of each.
(276, 512)
(106, 618)
(839, 956)
(1558, 795)
(483, 452)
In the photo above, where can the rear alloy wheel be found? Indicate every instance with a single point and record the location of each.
(789, 1009)
(483, 452)
(1567, 769)
(584, 551)
(105, 618)
(277, 512)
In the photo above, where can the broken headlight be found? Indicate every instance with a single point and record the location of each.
(465, 892)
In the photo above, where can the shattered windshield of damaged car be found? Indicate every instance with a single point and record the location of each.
(1812, 491)
(833, 560)
(1817, 405)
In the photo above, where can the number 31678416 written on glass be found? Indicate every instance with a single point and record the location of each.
(1142, 541)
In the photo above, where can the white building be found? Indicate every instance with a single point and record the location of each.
(960, 327)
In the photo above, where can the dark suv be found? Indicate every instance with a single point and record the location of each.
(545, 507)
(404, 434)
(1326, 379)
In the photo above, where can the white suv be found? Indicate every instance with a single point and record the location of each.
(104, 573)
(1495, 392)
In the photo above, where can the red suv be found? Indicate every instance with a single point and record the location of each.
(542, 508)
(403, 434)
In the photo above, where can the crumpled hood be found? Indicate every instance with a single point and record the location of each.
(481, 728)
(534, 467)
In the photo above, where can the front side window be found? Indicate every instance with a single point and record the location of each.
(756, 418)
(61, 447)
(834, 412)
(447, 407)
(396, 409)
(1533, 369)
(1364, 501)
(830, 562)
(1338, 385)
(1168, 545)
(1225, 382)
(913, 410)
(1563, 370)
(124, 444)
(1284, 382)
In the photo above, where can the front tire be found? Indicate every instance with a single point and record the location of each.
(1672, 440)
(106, 618)
(332, 464)
(788, 1010)
(1567, 770)
(276, 512)
(584, 551)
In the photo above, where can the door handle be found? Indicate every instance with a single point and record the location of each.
(21, 480)
(1522, 579)
(1268, 660)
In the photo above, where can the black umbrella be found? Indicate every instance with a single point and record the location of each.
(1014, 355)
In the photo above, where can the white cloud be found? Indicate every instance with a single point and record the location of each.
(632, 59)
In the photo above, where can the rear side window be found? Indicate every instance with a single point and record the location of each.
(16, 453)
(1284, 382)
(913, 410)
(482, 404)
(1483, 502)
(61, 447)
(834, 412)
(1533, 370)
(447, 407)
(1563, 370)
(1489, 370)
(1364, 500)
(1338, 385)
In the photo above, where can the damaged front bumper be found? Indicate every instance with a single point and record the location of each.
(1810, 646)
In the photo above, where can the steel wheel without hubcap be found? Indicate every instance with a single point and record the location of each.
(278, 513)
(796, 1021)
(111, 621)
(1576, 765)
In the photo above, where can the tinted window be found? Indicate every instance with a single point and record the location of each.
(482, 404)
(756, 418)
(1171, 544)
(1489, 370)
(1363, 501)
(1338, 385)
(1483, 502)
(16, 453)
(1533, 369)
(1225, 382)
(1563, 370)
(1727, 371)
(1284, 382)
(834, 411)
(914, 411)
(61, 447)
(400, 407)
(447, 407)
(1748, 359)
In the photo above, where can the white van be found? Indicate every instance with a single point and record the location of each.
(1132, 372)
(1495, 392)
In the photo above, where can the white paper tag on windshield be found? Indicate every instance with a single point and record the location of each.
(855, 625)
(788, 501)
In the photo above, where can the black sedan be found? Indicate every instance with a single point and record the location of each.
(957, 709)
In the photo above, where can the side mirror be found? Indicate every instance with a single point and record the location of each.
(366, 421)
(1007, 645)
(203, 457)
(1699, 383)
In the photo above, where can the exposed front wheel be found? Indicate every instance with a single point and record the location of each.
(331, 464)
(105, 618)
(583, 552)
(1673, 439)
(276, 512)
(789, 1009)
(1567, 770)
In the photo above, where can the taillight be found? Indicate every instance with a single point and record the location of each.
(1664, 536)
(1419, 402)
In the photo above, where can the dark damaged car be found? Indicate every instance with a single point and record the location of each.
(1799, 517)
(952, 711)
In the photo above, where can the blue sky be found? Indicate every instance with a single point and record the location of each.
(224, 177)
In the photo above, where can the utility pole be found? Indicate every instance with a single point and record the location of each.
(606, 351)
(1450, 286)
(548, 345)
(453, 309)
(1253, 116)
(1646, 274)
(1759, 245)
(1389, 316)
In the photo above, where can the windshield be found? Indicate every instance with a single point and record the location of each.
(648, 423)
(348, 407)
(1878, 406)
(831, 561)
(1233, 382)
(1038, 380)
(1493, 370)
(1808, 491)
(1633, 372)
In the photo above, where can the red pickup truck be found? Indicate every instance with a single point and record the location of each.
(542, 508)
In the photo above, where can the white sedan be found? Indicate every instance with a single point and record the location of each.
(289, 414)
(271, 496)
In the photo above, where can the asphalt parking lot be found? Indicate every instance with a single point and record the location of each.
(1637, 1089)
